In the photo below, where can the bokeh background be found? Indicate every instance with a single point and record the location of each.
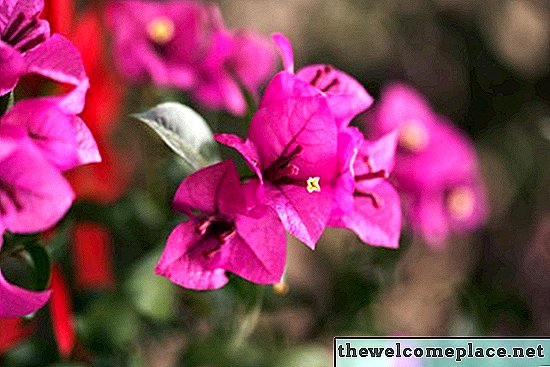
(485, 64)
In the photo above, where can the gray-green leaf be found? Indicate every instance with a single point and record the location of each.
(184, 131)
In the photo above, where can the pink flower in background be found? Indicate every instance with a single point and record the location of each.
(291, 140)
(233, 58)
(345, 96)
(368, 204)
(26, 47)
(436, 166)
(184, 44)
(159, 41)
(223, 233)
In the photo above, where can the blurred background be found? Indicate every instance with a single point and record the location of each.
(485, 64)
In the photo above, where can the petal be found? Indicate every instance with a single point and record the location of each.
(245, 147)
(398, 105)
(10, 137)
(285, 49)
(49, 128)
(378, 225)
(376, 156)
(63, 138)
(294, 120)
(428, 218)
(35, 195)
(221, 92)
(258, 252)
(304, 215)
(449, 157)
(184, 264)
(12, 66)
(285, 85)
(17, 302)
(27, 7)
(349, 142)
(58, 59)
(253, 60)
(214, 189)
(345, 95)
(87, 150)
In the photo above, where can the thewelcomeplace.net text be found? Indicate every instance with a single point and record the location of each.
(347, 350)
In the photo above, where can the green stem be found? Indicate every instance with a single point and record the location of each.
(249, 322)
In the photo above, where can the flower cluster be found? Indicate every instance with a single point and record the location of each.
(437, 168)
(40, 138)
(185, 44)
(311, 170)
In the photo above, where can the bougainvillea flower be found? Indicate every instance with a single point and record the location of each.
(345, 95)
(459, 206)
(26, 47)
(33, 197)
(184, 44)
(33, 193)
(289, 142)
(436, 166)
(224, 233)
(63, 138)
(158, 41)
(232, 59)
(375, 213)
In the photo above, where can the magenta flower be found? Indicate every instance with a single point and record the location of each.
(224, 233)
(159, 41)
(184, 44)
(33, 193)
(345, 96)
(62, 137)
(367, 203)
(33, 197)
(292, 138)
(436, 166)
(26, 47)
(233, 58)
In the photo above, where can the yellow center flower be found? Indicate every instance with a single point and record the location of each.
(413, 136)
(461, 202)
(161, 30)
(313, 184)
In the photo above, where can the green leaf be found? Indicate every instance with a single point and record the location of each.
(184, 131)
(6, 101)
(153, 296)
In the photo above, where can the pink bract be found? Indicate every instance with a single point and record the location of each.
(225, 232)
(436, 167)
(292, 137)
